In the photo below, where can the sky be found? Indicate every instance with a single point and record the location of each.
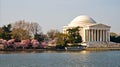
(54, 14)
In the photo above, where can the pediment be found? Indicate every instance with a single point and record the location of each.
(100, 26)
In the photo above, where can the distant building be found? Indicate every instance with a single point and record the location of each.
(90, 30)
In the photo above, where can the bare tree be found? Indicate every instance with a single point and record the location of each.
(20, 34)
(35, 28)
(21, 24)
(26, 29)
(52, 34)
(1, 30)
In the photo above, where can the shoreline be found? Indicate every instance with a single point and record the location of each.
(86, 49)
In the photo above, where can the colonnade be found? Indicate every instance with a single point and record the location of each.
(97, 35)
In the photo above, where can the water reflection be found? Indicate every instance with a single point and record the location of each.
(84, 52)
(60, 59)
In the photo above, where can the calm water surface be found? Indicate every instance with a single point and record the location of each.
(60, 59)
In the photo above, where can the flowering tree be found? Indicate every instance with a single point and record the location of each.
(35, 43)
(25, 43)
(10, 43)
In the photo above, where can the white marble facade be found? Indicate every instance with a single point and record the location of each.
(90, 31)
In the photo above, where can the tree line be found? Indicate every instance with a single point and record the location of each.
(22, 30)
(114, 37)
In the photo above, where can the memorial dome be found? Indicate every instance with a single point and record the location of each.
(82, 21)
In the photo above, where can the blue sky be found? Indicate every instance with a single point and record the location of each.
(54, 14)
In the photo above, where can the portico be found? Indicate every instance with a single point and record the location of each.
(97, 35)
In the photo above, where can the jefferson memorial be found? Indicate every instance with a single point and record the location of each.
(90, 30)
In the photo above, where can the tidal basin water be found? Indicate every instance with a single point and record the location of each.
(60, 59)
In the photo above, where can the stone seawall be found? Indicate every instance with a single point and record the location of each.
(103, 45)
(102, 49)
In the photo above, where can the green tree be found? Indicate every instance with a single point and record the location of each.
(118, 39)
(61, 40)
(114, 37)
(74, 35)
(40, 37)
(6, 30)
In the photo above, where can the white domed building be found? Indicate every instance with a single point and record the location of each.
(90, 30)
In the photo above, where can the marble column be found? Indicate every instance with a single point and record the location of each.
(85, 35)
(88, 35)
(106, 35)
(92, 35)
(97, 35)
(100, 35)
(103, 35)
